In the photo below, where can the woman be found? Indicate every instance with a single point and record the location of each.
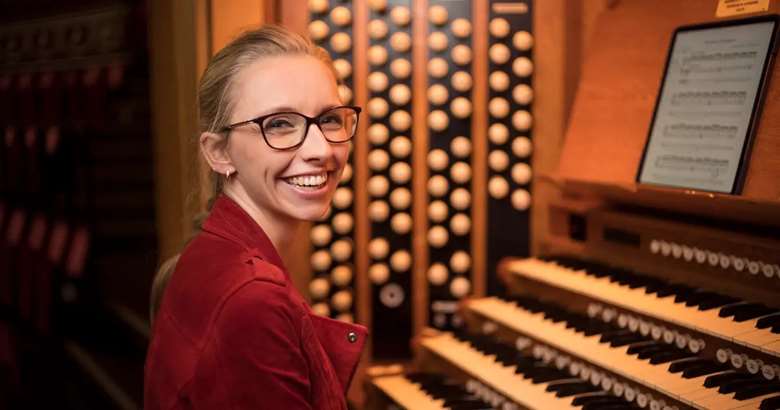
(231, 331)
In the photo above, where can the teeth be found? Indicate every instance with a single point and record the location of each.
(309, 180)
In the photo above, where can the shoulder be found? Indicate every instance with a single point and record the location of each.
(259, 306)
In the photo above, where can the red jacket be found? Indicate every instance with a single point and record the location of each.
(233, 333)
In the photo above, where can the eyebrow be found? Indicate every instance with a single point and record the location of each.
(285, 108)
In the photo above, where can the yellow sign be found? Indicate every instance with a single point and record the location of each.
(728, 8)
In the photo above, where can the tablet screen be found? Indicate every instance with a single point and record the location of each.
(707, 106)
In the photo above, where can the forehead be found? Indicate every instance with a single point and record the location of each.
(301, 82)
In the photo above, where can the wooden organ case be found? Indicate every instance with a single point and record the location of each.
(640, 296)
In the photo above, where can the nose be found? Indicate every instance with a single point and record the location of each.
(315, 147)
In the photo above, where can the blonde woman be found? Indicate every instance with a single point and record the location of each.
(231, 331)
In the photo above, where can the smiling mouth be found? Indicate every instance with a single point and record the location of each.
(309, 181)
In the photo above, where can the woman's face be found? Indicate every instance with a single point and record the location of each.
(278, 182)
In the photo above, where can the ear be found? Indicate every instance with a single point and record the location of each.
(214, 149)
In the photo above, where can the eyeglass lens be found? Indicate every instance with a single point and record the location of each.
(287, 130)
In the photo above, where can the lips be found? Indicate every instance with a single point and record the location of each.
(308, 181)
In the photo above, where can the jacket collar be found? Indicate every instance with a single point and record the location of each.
(228, 220)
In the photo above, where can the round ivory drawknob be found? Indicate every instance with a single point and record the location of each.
(377, 5)
(343, 68)
(438, 273)
(400, 173)
(498, 187)
(460, 198)
(523, 40)
(400, 147)
(438, 236)
(498, 160)
(460, 224)
(460, 287)
(400, 68)
(392, 295)
(461, 27)
(499, 53)
(400, 94)
(438, 159)
(378, 159)
(461, 54)
(523, 94)
(438, 120)
(460, 172)
(521, 120)
(342, 300)
(400, 15)
(346, 175)
(400, 120)
(400, 42)
(401, 261)
(378, 273)
(522, 147)
(522, 67)
(401, 223)
(319, 288)
(437, 94)
(437, 41)
(499, 81)
(438, 15)
(378, 134)
(438, 186)
(521, 173)
(377, 81)
(377, 29)
(320, 260)
(521, 199)
(499, 27)
(345, 94)
(460, 107)
(342, 198)
(437, 67)
(341, 275)
(498, 107)
(341, 250)
(460, 147)
(401, 198)
(437, 211)
(340, 42)
(321, 309)
(378, 248)
(378, 211)
(318, 29)
(461, 81)
(318, 6)
(377, 55)
(378, 186)
(341, 16)
(460, 262)
(378, 107)
(320, 235)
(342, 223)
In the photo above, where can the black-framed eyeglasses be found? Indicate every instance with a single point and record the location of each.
(288, 130)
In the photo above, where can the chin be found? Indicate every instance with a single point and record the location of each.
(310, 213)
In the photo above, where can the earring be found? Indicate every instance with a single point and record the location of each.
(227, 174)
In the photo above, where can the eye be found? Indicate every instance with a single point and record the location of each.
(332, 119)
(278, 123)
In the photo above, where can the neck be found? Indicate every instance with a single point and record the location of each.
(281, 229)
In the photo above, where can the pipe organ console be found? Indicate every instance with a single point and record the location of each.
(641, 296)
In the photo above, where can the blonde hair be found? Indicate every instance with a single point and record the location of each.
(216, 104)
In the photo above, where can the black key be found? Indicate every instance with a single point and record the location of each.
(649, 351)
(607, 406)
(626, 340)
(741, 384)
(771, 403)
(666, 357)
(684, 364)
(570, 389)
(612, 334)
(639, 346)
(732, 309)
(775, 329)
(716, 302)
(702, 370)
(768, 321)
(591, 398)
(753, 392)
(717, 380)
(753, 312)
